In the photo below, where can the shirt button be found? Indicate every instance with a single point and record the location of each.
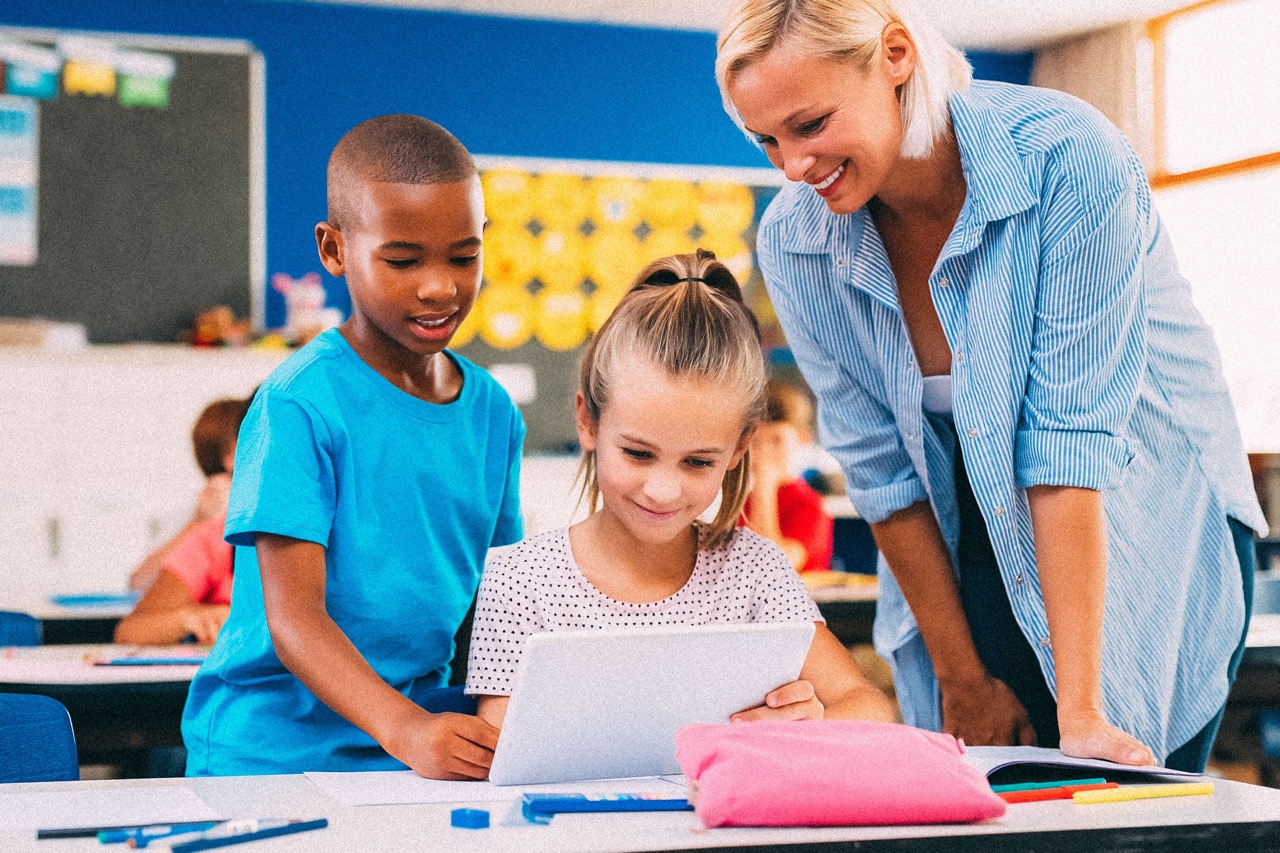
(1044, 642)
(1018, 578)
(942, 282)
(973, 432)
(959, 355)
(999, 511)
(839, 262)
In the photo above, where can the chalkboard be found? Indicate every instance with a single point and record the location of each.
(146, 215)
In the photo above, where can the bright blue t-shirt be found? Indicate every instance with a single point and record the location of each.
(406, 496)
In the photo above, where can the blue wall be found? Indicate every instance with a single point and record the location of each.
(503, 86)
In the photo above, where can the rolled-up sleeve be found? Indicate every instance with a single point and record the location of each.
(1088, 351)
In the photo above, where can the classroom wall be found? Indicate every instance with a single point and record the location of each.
(504, 86)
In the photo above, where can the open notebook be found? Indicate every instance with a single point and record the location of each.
(1010, 765)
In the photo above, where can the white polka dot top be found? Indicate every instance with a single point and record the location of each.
(536, 585)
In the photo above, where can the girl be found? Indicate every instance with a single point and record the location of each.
(670, 390)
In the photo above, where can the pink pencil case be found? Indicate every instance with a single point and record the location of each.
(830, 773)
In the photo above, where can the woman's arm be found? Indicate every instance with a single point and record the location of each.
(975, 706)
(168, 614)
(312, 646)
(1071, 557)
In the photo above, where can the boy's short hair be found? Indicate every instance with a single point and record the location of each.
(215, 431)
(785, 402)
(396, 149)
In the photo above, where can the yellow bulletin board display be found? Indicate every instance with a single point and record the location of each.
(563, 244)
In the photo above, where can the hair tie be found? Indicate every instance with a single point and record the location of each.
(691, 278)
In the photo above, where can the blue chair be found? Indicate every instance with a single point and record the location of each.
(36, 740)
(19, 629)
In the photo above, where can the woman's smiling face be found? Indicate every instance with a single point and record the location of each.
(832, 124)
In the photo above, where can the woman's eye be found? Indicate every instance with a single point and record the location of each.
(812, 126)
(765, 141)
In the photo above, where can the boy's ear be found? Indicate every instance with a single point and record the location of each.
(586, 424)
(329, 244)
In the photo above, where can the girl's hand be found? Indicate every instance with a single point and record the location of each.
(1087, 735)
(984, 712)
(205, 621)
(794, 701)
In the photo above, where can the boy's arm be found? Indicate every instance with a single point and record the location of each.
(831, 686)
(312, 646)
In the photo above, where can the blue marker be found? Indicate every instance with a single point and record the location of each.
(143, 835)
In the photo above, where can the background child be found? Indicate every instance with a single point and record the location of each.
(781, 506)
(213, 437)
(192, 594)
(374, 471)
(669, 391)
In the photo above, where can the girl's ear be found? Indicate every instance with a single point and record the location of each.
(741, 448)
(586, 424)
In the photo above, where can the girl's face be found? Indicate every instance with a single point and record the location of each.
(833, 125)
(662, 445)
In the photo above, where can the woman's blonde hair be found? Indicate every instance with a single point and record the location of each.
(684, 314)
(849, 30)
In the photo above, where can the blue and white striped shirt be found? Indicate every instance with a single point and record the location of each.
(1078, 359)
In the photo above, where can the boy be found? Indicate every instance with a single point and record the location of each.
(373, 473)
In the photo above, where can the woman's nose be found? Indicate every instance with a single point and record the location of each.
(794, 162)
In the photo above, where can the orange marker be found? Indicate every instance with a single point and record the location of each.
(1062, 793)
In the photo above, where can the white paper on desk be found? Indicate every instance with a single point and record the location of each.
(989, 758)
(403, 787)
(70, 808)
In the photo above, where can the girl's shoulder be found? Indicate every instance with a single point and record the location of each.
(744, 552)
(532, 556)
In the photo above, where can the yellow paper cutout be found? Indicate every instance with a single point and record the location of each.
(561, 201)
(467, 330)
(562, 318)
(601, 304)
(508, 196)
(666, 241)
(725, 208)
(562, 258)
(506, 316)
(88, 78)
(670, 204)
(510, 254)
(617, 201)
(614, 256)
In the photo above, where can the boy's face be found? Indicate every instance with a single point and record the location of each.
(411, 257)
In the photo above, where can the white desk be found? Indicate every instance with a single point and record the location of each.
(1236, 817)
(1264, 631)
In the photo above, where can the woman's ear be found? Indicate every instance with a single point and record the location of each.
(585, 423)
(898, 52)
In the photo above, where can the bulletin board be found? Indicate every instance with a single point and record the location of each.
(563, 244)
(147, 209)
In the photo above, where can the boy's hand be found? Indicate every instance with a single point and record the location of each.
(794, 701)
(1088, 735)
(205, 621)
(448, 746)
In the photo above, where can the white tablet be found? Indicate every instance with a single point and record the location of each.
(606, 705)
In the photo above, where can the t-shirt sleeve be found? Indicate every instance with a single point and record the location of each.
(197, 559)
(778, 592)
(505, 615)
(510, 526)
(283, 481)
(801, 517)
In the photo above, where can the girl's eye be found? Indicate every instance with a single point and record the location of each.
(699, 463)
(810, 127)
(637, 454)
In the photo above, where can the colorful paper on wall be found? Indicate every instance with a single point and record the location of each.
(19, 168)
(90, 66)
(144, 78)
(29, 71)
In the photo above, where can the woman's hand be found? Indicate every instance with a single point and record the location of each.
(984, 712)
(1087, 734)
(794, 701)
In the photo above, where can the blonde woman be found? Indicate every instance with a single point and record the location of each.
(1027, 407)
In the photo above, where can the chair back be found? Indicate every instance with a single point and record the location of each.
(19, 629)
(37, 743)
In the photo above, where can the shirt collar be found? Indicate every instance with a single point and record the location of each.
(999, 185)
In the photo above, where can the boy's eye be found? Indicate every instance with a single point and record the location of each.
(636, 454)
(400, 263)
(464, 260)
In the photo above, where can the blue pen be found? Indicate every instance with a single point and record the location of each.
(141, 835)
(211, 842)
